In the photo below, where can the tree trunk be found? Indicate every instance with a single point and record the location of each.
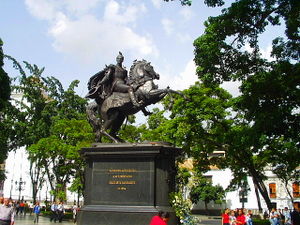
(261, 187)
(34, 176)
(206, 209)
(257, 196)
(288, 191)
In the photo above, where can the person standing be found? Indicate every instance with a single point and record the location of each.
(249, 218)
(295, 217)
(7, 213)
(287, 216)
(74, 210)
(241, 218)
(274, 217)
(225, 217)
(232, 218)
(60, 211)
(54, 212)
(36, 212)
(161, 219)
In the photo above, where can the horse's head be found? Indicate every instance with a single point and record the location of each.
(150, 72)
(142, 69)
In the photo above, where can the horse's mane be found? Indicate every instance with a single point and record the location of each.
(136, 64)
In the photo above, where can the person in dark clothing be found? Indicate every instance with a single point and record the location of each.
(295, 216)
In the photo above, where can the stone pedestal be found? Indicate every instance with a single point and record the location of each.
(127, 184)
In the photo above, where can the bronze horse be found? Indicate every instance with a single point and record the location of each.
(112, 112)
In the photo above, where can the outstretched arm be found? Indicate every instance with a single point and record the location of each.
(106, 77)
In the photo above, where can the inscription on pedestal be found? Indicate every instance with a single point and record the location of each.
(126, 182)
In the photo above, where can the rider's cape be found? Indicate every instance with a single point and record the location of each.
(97, 91)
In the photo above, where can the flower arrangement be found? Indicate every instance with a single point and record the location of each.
(182, 208)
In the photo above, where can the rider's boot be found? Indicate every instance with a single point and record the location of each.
(133, 98)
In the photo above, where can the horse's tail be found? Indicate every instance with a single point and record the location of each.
(96, 123)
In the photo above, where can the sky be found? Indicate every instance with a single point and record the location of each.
(74, 39)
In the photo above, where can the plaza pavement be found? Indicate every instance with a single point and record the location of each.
(28, 220)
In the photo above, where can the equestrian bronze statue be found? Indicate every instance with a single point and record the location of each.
(118, 95)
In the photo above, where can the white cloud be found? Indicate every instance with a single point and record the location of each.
(157, 3)
(85, 37)
(42, 9)
(168, 25)
(182, 81)
(232, 87)
(186, 13)
(116, 13)
(265, 52)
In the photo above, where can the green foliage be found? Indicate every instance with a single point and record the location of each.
(60, 154)
(4, 81)
(261, 222)
(267, 118)
(4, 104)
(183, 2)
(182, 208)
(50, 121)
(205, 191)
(182, 178)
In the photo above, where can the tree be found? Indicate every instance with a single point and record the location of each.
(205, 191)
(60, 154)
(4, 98)
(268, 107)
(284, 165)
(4, 81)
(44, 103)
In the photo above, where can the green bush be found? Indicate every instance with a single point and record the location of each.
(67, 215)
(261, 222)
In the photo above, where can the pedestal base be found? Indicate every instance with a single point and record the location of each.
(127, 183)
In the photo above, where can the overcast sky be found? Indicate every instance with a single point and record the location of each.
(74, 39)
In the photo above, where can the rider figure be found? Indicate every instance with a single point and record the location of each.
(117, 75)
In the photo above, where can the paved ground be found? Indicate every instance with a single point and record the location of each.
(204, 220)
(26, 220)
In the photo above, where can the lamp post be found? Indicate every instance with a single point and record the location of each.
(20, 186)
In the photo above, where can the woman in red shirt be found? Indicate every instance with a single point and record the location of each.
(225, 217)
(241, 218)
(161, 219)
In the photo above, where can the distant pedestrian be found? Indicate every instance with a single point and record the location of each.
(232, 218)
(60, 211)
(53, 212)
(36, 212)
(22, 207)
(295, 216)
(17, 207)
(287, 216)
(249, 217)
(7, 213)
(161, 219)
(225, 217)
(241, 218)
(74, 210)
(274, 217)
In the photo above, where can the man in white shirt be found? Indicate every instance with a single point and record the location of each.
(287, 216)
(60, 211)
(7, 213)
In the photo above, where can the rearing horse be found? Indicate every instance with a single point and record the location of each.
(115, 108)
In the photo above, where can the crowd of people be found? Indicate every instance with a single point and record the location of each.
(237, 217)
(276, 217)
(284, 216)
(9, 209)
